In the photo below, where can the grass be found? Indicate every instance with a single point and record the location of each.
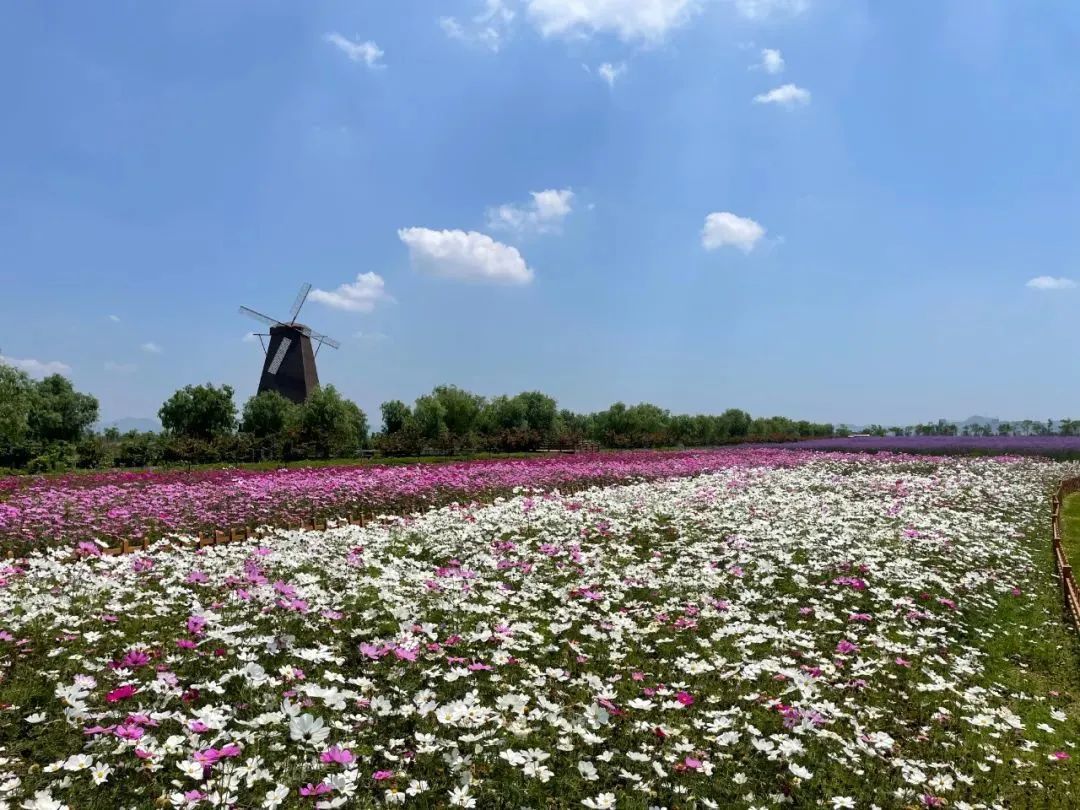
(1070, 526)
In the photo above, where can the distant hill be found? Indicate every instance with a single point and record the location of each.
(127, 423)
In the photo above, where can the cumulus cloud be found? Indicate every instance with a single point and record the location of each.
(544, 214)
(114, 318)
(466, 256)
(724, 228)
(610, 73)
(359, 296)
(489, 28)
(1051, 283)
(151, 348)
(649, 21)
(772, 61)
(787, 95)
(120, 368)
(36, 368)
(367, 52)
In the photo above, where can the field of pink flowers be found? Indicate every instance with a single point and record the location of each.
(835, 633)
(108, 507)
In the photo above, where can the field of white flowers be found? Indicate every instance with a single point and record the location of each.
(840, 634)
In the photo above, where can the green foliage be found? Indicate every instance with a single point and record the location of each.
(267, 414)
(58, 457)
(59, 413)
(331, 425)
(395, 416)
(199, 411)
(16, 393)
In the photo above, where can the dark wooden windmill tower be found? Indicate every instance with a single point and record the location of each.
(289, 362)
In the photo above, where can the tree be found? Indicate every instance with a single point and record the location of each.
(430, 417)
(16, 395)
(330, 424)
(266, 414)
(460, 411)
(59, 413)
(199, 411)
(541, 411)
(395, 415)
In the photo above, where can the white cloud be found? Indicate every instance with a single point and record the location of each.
(724, 228)
(120, 368)
(466, 256)
(544, 214)
(772, 61)
(787, 95)
(1051, 283)
(151, 348)
(114, 318)
(250, 337)
(36, 368)
(367, 52)
(763, 9)
(488, 28)
(360, 296)
(646, 20)
(609, 72)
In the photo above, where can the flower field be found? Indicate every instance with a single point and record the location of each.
(105, 507)
(829, 632)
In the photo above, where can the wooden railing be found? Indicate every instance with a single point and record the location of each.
(1069, 591)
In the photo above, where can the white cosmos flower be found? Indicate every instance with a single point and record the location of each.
(799, 771)
(604, 801)
(309, 730)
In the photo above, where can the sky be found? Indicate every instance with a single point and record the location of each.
(834, 210)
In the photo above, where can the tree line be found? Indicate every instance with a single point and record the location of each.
(1022, 427)
(47, 425)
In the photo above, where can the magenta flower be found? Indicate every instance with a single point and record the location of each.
(122, 693)
(845, 647)
(337, 755)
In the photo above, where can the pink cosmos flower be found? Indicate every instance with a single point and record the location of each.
(129, 732)
(196, 625)
(685, 698)
(337, 755)
(315, 790)
(1060, 756)
(380, 776)
(845, 647)
(122, 693)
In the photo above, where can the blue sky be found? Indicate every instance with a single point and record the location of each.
(827, 209)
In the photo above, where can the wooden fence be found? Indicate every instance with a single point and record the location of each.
(1070, 593)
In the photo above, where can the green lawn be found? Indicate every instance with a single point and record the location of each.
(1070, 527)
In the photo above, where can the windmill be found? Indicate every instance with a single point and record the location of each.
(289, 364)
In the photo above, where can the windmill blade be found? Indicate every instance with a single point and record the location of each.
(279, 355)
(301, 297)
(323, 339)
(260, 317)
